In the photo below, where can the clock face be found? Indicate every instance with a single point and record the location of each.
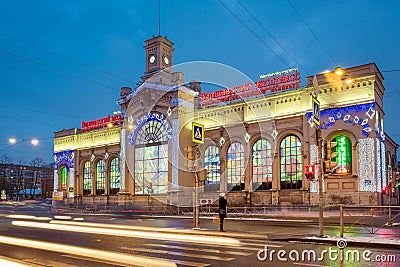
(152, 58)
(166, 60)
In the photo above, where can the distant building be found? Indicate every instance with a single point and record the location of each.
(26, 182)
(258, 138)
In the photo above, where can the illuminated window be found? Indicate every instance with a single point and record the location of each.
(343, 156)
(100, 178)
(235, 166)
(213, 168)
(87, 179)
(151, 158)
(262, 165)
(64, 175)
(291, 163)
(114, 176)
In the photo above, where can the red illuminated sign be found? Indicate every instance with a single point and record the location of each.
(101, 123)
(274, 83)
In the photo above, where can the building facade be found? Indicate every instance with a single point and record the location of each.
(258, 138)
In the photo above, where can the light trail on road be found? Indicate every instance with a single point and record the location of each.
(189, 238)
(106, 256)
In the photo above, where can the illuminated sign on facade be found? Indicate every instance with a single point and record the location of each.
(101, 123)
(273, 83)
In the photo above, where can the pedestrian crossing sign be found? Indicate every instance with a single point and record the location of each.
(197, 133)
(316, 111)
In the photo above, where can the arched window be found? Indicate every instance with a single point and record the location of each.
(151, 158)
(100, 178)
(235, 166)
(213, 168)
(262, 165)
(64, 176)
(341, 155)
(87, 178)
(114, 176)
(291, 167)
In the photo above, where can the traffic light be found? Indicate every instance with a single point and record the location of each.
(310, 172)
(384, 189)
(329, 156)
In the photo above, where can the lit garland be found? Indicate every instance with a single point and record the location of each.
(366, 172)
(66, 157)
(150, 116)
(175, 153)
(349, 114)
(383, 163)
(313, 158)
(378, 167)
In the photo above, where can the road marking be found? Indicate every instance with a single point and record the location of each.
(91, 259)
(182, 254)
(241, 247)
(87, 252)
(129, 233)
(201, 249)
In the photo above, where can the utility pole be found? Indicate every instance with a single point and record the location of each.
(320, 183)
(320, 159)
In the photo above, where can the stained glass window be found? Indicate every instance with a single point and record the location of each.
(151, 158)
(213, 168)
(343, 157)
(64, 175)
(262, 165)
(114, 176)
(235, 166)
(87, 178)
(100, 178)
(291, 163)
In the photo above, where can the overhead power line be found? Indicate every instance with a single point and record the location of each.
(312, 32)
(272, 37)
(57, 69)
(252, 32)
(63, 57)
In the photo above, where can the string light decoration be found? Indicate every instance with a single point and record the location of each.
(313, 158)
(366, 172)
(175, 152)
(357, 114)
(64, 157)
(383, 163)
(378, 167)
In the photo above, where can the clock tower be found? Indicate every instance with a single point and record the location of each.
(158, 56)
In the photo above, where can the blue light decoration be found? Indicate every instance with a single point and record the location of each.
(64, 157)
(149, 117)
(350, 114)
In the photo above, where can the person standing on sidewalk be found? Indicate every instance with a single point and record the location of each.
(222, 210)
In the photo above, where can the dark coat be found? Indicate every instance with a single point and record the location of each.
(222, 207)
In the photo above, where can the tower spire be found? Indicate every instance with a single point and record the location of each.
(159, 17)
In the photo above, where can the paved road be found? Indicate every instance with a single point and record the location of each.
(168, 240)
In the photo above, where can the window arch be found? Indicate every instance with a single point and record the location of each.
(100, 178)
(291, 163)
(262, 165)
(151, 158)
(235, 166)
(64, 177)
(213, 168)
(341, 154)
(87, 178)
(114, 176)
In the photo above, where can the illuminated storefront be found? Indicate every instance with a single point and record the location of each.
(259, 136)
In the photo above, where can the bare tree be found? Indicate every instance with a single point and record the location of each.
(36, 165)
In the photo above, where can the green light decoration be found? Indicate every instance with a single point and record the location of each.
(343, 157)
(64, 177)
